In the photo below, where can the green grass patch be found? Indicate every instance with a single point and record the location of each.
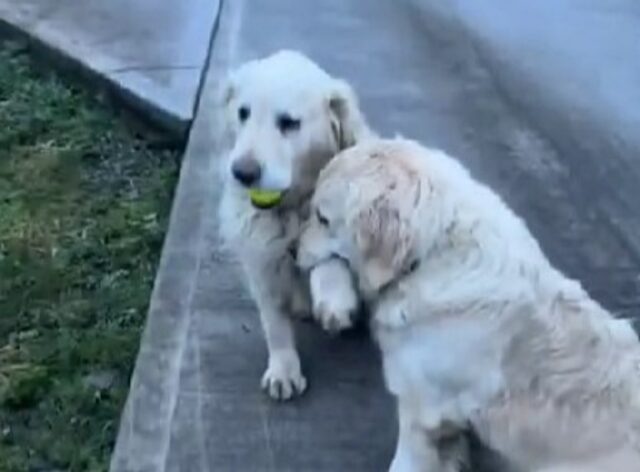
(84, 201)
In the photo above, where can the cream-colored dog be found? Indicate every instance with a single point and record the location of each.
(477, 329)
(287, 118)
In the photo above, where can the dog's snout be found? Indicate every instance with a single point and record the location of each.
(247, 170)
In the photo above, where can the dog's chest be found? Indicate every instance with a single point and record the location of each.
(449, 366)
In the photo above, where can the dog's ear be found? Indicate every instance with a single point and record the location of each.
(347, 122)
(384, 240)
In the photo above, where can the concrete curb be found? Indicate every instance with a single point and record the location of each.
(143, 109)
(145, 427)
(140, 96)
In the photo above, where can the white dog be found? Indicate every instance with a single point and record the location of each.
(476, 328)
(287, 118)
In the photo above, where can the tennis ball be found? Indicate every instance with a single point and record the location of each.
(265, 199)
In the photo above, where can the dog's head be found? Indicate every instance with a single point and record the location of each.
(287, 117)
(366, 210)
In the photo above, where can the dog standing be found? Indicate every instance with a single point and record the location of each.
(477, 329)
(287, 118)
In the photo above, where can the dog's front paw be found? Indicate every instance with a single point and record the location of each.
(336, 314)
(335, 299)
(283, 378)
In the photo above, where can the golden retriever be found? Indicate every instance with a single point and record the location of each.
(477, 329)
(286, 118)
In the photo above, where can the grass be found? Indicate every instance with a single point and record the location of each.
(83, 210)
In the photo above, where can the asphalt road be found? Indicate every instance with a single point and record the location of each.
(564, 156)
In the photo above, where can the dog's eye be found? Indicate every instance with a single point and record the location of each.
(244, 112)
(287, 124)
(323, 220)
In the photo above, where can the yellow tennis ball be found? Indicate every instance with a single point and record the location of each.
(265, 198)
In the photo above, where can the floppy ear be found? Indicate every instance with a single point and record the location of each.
(347, 122)
(384, 239)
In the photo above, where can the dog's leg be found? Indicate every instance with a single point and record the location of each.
(419, 451)
(334, 297)
(268, 283)
(414, 451)
(300, 300)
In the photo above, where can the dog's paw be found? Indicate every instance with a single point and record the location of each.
(283, 378)
(335, 299)
(337, 314)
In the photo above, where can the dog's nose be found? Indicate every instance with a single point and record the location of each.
(246, 170)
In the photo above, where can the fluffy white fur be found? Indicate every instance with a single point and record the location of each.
(477, 329)
(285, 84)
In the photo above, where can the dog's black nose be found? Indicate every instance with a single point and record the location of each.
(247, 171)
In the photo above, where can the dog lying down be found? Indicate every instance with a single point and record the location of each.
(476, 328)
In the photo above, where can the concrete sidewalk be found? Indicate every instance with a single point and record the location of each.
(194, 403)
(571, 69)
(151, 53)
